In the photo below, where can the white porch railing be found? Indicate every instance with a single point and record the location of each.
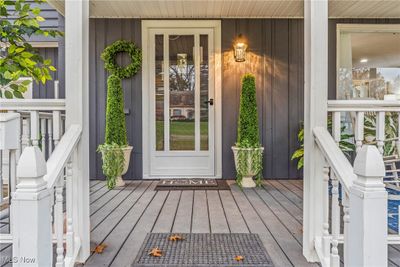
(42, 123)
(363, 228)
(38, 218)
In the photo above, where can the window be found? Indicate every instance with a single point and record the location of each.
(368, 61)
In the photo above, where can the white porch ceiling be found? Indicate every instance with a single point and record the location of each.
(234, 8)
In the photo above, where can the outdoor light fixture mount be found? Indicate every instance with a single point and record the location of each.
(240, 47)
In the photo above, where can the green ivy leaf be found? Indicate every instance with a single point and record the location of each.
(8, 94)
(52, 68)
(40, 19)
(18, 94)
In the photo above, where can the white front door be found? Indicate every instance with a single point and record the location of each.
(181, 85)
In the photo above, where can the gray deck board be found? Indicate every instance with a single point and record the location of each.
(257, 226)
(114, 235)
(132, 244)
(201, 221)
(232, 213)
(218, 221)
(183, 218)
(121, 219)
(166, 218)
(283, 237)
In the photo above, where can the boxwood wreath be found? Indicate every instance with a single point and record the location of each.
(248, 138)
(115, 137)
(109, 56)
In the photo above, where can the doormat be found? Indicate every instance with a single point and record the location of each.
(192, 184)
(203, 250)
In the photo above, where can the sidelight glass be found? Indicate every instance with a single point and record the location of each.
(159, 91)
(204, 97)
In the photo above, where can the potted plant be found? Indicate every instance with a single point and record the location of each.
(115, 150)
(248, 152)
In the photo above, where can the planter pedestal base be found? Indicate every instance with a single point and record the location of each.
(119, 182)
(248, 182)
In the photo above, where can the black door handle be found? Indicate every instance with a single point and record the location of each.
(211, 102)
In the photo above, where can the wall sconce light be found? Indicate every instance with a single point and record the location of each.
(240, 47)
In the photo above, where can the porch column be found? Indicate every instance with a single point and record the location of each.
(77, 111)
(315, 114)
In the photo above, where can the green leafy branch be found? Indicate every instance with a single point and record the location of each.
(17, 56)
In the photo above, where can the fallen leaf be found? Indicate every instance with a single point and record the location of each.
(239, 258)
(175, 238)
(99, 248)
(155, 252)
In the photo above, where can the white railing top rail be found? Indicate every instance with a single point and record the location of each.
(363, 105)
(63, 151)
(32, 104)
(335, 157)
(42, 114)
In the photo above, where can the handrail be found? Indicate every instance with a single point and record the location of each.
(335, 157)
(32, 104)
(363, 105)
(63, 151)
(42, 115)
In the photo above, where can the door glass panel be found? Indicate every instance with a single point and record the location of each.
(204, 92)
(159, 93)
(181, 92)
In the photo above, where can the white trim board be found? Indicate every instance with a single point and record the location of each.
(193, 27)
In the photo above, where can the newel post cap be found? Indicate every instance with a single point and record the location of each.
(369, 162)
(31, 164)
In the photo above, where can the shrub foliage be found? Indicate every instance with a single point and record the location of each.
(248, 132)
(115, 117)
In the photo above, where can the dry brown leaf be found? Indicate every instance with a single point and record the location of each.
(175, 238)
(99, 248)
(239, 258)
(155, 252)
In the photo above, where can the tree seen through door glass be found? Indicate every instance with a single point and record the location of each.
(181, 92)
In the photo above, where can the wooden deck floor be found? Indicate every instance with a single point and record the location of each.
(121, 218)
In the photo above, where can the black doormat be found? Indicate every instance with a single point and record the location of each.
(192, 184)
(200, 250)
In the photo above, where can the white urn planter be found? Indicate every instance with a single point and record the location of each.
(250, 170)
(127, 155)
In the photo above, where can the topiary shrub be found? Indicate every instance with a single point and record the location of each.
(115, 146)
(250, 153)
(247, 134)
(115, 116)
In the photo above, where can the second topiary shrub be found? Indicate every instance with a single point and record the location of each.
(248, 132)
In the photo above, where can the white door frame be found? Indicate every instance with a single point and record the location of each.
(147, 27)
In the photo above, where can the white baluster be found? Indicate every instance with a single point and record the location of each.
(35, 130)
(380, 130)
(346, 221)
(69, 204)
(56, 127)
(26, 132)
(59, 221)
(335, 210)
(325, 227)
(50, 132)
(43, 135)
(1, 177)
(359, 130)
(336, 127)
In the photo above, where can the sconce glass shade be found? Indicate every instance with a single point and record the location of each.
(240, 51)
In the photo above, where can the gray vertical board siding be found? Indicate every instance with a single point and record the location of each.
(104, 32)
(47, 90)
(275, 57)
(332, 46)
